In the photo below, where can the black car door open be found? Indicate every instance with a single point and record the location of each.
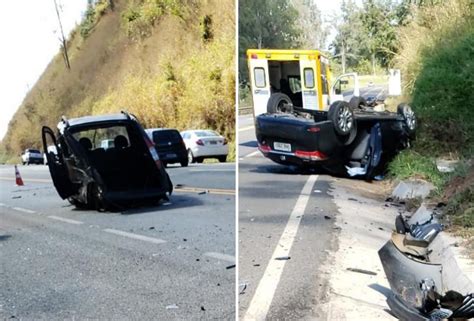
(57, 167)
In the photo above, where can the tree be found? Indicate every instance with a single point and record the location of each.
(314, 33)
(348, 44)
(265, 24)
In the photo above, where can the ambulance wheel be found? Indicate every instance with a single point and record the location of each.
(342, 117)
(279, 103)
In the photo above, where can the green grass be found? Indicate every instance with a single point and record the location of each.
(411, 164)
(364, 80)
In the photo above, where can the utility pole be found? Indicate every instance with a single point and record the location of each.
(62, 39)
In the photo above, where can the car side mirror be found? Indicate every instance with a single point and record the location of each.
(338, 91)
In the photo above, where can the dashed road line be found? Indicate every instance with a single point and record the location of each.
(25, 210)
(246, 128)
(252, 154)
(267, 286)
(26, 179)
(221, 256)
(65, 220)
(189, 189)
(135, 236)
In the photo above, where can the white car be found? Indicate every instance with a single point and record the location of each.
(32, 156)
(205, 143)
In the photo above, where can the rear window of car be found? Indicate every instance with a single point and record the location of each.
(166, 136)
(206, 133)
(34, 151)
(103, 137)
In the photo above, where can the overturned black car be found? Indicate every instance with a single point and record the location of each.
(105, 162)
(355, 142)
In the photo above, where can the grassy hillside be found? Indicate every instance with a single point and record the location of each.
(436, 61)
(169, 62)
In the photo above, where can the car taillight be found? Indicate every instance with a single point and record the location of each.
(200, 142)
(316, 155)
(225, 141)
(152, 150)
(254, 56)
(264, 148)
(313, 129)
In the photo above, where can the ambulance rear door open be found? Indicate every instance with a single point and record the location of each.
(260, 85)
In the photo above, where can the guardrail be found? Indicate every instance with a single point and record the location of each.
(245, 110)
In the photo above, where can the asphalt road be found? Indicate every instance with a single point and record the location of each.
(286, 221)
(165, 262)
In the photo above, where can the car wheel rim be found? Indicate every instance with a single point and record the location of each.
(282, 106)
(344, 119)
(409, 116)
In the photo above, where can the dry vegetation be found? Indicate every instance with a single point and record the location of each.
(169, 62)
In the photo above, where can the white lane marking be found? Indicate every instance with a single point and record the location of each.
(65, 220)
(267, 286)
(25, 210)
(252, 154)
(212, 170)
(221, 256)
(134, 236)
(245, 128)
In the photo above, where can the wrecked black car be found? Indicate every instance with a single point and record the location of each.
(105, 162)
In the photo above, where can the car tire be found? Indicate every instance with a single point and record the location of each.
(165, 164)
(23, 163)
(342, 117)
(409, 118)
(357, 102)
(184, 163)
(199, 160)
(222, 159)
(279, 103)
(191, 158)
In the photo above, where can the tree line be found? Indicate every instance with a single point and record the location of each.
(366, 35)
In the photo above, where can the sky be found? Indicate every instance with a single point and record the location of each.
(30, 35)
(29, 31)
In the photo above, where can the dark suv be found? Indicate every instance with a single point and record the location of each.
(169, 145)
(105, 162)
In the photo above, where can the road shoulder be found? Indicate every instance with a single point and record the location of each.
(364, 224)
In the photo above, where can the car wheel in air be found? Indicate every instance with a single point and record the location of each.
(357, 102)
(279, 103)
(409, 117)
(342, 117)
(222, 159)
(191, 158)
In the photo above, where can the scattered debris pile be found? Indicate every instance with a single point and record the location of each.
(424, 284)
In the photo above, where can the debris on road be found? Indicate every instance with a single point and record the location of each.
(15, 197)
(283, 258)
(202, 308)
(361, 271)
(242, 288)
(230, 267)
(172, 306)
(151, 228)
(327, 217)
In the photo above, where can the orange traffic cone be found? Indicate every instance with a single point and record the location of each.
(19, 181)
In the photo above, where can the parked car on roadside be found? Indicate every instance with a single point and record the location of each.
(32, 156)
(169, 145)
(204, 143)
(90, 176)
